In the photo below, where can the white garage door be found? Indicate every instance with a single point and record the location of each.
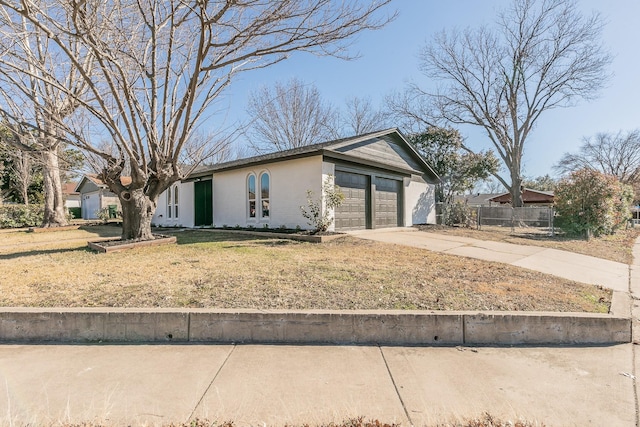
(90, 206)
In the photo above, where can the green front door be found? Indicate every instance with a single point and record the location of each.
(203, 200)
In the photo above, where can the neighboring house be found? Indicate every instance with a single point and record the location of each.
(385, 181)
(529, 197)
(71, 196)
(72, 199)
(95, 195)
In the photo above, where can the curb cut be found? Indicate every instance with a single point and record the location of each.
(420, 328)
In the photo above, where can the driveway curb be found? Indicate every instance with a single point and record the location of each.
(418, 328)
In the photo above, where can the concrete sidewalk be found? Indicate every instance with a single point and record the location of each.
(278, 385)
(568, 265)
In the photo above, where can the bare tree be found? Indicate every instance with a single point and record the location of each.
(410, 110)
(360, 117)
(541, 55)
(23, 171)
(16, 169)
(612, 154)
(290, 115)
(154, 68)
(31, 105)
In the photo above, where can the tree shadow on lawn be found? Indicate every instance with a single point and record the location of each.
(188, 237)
(103, 230)
(36, 252)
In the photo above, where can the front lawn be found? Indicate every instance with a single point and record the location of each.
(617, 247)
(222, 270)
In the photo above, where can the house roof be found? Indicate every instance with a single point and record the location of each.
(528, 196)
(69, 189)
(476, 199)
(92, 177)
(347, 149)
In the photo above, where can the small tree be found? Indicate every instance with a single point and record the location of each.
(592, 203)
(318, 211)
(459, 170)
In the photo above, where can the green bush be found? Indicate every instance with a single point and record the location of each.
(16, 216)
(591, 203)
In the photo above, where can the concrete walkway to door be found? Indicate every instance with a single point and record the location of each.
(568, 265)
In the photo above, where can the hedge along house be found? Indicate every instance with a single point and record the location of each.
(385, 181)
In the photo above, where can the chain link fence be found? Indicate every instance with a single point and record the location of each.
(526, 220)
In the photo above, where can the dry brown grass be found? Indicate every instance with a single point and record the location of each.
(221, 270)
(617, 247)
(486, 420)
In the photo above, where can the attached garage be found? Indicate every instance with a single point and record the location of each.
(387, 203)
(365, 204)
(352, 213)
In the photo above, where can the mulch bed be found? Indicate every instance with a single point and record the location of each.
(116, 245)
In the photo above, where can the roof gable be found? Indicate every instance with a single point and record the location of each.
(384, 149)
(93, 183)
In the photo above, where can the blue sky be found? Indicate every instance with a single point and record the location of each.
(389, 58)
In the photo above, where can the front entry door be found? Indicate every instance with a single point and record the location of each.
(203, 200)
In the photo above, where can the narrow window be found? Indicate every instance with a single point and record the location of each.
(264, 194)
(175, 201)
(251, 190)
(169, 203)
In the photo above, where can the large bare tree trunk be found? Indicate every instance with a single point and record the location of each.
(54, 210)
(22, 167)
(137, 211)
(516, 189)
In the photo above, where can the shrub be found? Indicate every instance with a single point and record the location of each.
(75, 212)
(591, 203)
(16, 216)
(458, 213)
(319, 218)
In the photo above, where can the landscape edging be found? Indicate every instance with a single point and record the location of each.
(424, 328)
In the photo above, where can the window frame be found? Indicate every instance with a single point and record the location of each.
(248, 211)
(267, 175)
(176, 201)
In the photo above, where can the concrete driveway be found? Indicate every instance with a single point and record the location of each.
(568, 265)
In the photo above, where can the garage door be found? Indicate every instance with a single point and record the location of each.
(387, 203)
(90, 206)
(352, 213)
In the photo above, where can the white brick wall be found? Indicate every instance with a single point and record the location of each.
(419, 201)
(289, 182)
(186, 214)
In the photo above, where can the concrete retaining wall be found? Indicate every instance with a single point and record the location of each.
(312, 327)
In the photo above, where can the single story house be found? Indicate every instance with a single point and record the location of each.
(386, 183)
(95, 195)
(71, 196)
(529, 197)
